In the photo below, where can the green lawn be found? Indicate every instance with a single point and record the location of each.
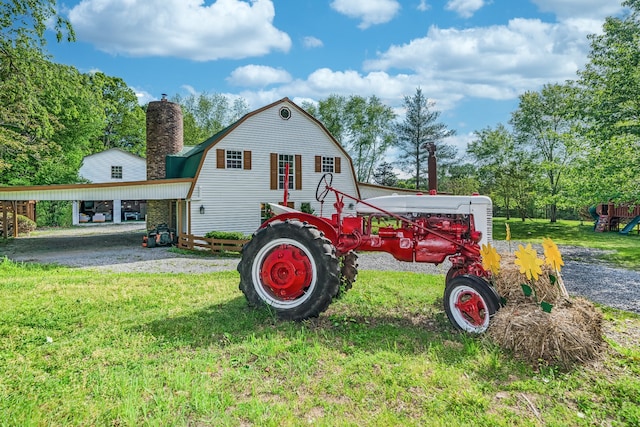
(82, 348)
(625, 248)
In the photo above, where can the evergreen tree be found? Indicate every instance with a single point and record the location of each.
(384, 175)
(419, 128)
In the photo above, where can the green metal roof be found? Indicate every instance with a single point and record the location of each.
(185, 163)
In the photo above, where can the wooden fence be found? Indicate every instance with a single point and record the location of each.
(191, 242)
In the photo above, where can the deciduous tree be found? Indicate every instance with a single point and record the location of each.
(124, 118)
(364, 127)
(610, 95)
(504, 170)
(205, 114)
(544, 124)
(25, 122)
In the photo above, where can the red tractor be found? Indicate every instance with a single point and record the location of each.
(297, 263)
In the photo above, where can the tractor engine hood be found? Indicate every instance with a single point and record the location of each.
(434, 204)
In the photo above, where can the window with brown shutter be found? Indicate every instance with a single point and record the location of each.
(220, 159)
(327, 164)
(247, 160)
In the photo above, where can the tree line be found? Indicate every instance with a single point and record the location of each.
(566, 145)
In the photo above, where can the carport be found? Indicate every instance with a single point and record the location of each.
(173, 190)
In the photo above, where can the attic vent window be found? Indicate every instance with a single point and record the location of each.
(116, 172)
(285, 113)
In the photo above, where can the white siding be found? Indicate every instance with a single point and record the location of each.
(232, 197)
(97, 167)
(146, 190)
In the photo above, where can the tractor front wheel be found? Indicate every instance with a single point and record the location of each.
(290, 267)
(469, 302)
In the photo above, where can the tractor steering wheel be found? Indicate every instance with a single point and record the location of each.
(321, 193)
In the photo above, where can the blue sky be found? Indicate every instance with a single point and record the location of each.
(471, 57)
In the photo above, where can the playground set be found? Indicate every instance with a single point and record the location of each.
(609, 217)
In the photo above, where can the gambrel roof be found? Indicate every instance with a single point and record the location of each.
(187, 163)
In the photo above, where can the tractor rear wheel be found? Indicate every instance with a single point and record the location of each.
(290, 267)
(469, 302)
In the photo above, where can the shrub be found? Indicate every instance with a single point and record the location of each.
(226, 235)
(54, 213)
(306, 208)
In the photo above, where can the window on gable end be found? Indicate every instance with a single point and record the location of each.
(116, 172)
(325, 164)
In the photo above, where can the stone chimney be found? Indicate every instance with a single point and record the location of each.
(164, 137)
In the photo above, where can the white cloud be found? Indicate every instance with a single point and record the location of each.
(324, 82)
(496, 62)
(143, 96)
(258, 76)
(423, 6)
(371, 12)
(464, 8)
(180, 28)
(311, 42)
(460, 142)
(190, 89)
(592, 9)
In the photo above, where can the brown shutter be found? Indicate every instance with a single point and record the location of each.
(298, 166)
(247, 160)
(220, 163)
(318, 163)
(336, 165)
(274, 171)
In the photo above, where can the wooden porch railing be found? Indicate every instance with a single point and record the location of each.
(191, 242)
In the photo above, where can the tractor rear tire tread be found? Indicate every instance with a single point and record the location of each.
(323, 257)
(348, 273)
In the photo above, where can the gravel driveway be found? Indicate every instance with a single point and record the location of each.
(118, 248)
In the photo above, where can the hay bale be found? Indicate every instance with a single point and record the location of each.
(570, 334)
(508, 282)
(587, 315)
(546, 339)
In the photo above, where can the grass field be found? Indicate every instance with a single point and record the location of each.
(81, 348)
(625, 249)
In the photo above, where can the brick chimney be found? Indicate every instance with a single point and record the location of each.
(164, 137)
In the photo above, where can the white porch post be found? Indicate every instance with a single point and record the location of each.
(117, 211)
(75, 213)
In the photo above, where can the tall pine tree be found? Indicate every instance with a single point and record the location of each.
(419, 128)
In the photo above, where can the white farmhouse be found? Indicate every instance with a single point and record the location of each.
(113, 165)
(241, 168)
